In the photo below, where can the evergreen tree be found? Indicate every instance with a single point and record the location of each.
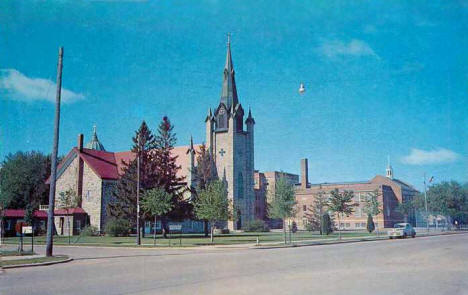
(204, 171)
(316, 211)
(123, 205)
(166, 176)
(370, 223)
(326, 225)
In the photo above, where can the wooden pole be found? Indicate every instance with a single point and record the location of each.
(53, 175)
(138, 239)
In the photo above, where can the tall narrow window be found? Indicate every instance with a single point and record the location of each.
(240, 186)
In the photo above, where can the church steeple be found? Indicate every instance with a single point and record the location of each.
(95, 144)
(389, 170)
(229, 90)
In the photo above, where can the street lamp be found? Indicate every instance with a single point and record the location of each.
(425, 203)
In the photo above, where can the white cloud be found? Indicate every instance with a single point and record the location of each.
(352, 48)
(422, 157)
(18, 86)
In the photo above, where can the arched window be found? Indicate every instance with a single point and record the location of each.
(222, 119)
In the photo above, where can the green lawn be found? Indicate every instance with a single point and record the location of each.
(4, 252)
(189, 239)
(33, 260)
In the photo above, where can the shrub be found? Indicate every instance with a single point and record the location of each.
(312, 227)
(256, 226)
(118, 227)
(294, 227)
(89, 231)
(327, 226)
(221, 231)
(370, 223)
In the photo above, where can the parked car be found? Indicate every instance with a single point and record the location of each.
(402, 230)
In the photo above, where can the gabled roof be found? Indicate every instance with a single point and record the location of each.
(109, 165)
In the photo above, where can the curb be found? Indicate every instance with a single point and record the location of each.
(266, 247)
(37, 264)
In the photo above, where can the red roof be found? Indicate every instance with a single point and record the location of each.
(19, 213)
(108, 165)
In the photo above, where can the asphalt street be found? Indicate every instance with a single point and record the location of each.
(424, 265)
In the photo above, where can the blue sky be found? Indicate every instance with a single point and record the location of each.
(382, 78)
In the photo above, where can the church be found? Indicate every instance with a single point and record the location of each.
(92, 172)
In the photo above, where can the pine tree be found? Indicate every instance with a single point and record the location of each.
(204, 171)
(316, 211)
(123, 205)
(370, 223)
(166, 176)
(326, 226)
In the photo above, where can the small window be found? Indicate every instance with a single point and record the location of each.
(304, 208)
(348, 225)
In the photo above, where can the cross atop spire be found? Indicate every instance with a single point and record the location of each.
(229, 90)
(95, 144)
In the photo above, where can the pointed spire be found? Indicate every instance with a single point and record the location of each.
(209, 116)
(250, 119)
(229, 90)
(191, 149)
(95, 144)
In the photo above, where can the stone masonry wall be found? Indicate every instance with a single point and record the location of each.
(92, 192)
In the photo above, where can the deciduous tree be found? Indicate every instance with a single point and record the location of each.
(341, 204)
(283, 202)
(23, 180)
(212, 204)
(156, 202)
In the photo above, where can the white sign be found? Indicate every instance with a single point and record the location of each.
(27, 229)
(175, 226)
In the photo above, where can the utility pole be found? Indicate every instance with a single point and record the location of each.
(425, 202)
(53, 175)
(138, 239)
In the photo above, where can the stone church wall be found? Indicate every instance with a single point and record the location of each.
(92, 189)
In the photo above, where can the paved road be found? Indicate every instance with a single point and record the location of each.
(429, 265)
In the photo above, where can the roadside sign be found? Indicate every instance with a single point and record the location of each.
(27, 229)
(175, 227)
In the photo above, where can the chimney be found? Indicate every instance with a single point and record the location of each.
(80, 142)
(304, 173)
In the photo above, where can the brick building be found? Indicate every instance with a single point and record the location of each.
(391, 192)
